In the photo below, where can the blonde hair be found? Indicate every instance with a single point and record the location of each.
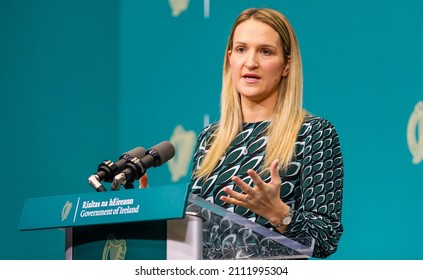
(288, 113)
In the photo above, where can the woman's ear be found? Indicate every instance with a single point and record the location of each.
(285, 71)
(229, 57)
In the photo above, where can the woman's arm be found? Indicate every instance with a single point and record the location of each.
(318, 214)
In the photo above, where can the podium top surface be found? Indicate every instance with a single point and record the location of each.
(153, 203)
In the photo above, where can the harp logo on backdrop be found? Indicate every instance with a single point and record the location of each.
(179, 6)
(415, 133)
(184, 142)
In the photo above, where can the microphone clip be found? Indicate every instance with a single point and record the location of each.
(134, 170)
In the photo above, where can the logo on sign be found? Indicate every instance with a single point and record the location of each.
(66, 209)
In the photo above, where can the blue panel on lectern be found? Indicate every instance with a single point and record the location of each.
(153, 203)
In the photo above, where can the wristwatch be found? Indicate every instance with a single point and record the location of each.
(286, 220)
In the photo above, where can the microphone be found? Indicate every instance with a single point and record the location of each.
(107, 170)
(136, 167)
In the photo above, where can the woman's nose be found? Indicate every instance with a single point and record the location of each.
(251, 61)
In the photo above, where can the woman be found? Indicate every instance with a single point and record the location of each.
(267, 159)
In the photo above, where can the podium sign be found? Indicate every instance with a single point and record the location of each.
(160, 222)
(96, 208)
(104, 225)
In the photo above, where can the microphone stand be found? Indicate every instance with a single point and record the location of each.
(93, 180)
(121, 179)
(118, 180)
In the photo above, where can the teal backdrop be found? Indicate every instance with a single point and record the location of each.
(85, 81)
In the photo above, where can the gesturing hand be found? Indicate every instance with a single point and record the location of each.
(263, 199)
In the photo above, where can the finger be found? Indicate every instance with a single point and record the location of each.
(242, 185)
(274, 172)
(231, 200)
(233, 195)
(258, 182)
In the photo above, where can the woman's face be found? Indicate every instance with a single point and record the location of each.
(257, 61)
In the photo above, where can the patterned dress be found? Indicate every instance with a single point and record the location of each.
(312, 185)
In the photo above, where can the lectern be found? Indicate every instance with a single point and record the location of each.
(155, 223)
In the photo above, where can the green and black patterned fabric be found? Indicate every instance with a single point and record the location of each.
(312, 185)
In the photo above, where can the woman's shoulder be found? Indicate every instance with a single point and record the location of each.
(208, 130)
(210, 127)
(314, 120)
(315, 124)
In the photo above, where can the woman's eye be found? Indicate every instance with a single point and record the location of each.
(266, 52)
(240, 50)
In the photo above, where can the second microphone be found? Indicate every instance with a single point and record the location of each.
(137, 167)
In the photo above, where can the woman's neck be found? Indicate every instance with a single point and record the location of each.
(256, 112)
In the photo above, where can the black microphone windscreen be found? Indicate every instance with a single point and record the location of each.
(137, 152)
(165, 151)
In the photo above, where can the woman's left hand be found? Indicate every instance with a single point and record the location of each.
(263, 199)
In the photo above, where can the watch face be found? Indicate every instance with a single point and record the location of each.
(287, 220)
